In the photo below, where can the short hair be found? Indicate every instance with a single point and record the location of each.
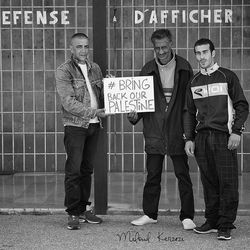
(161, 33)
(79, 35)
(204, 41)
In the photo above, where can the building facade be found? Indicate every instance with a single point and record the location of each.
(34, 41)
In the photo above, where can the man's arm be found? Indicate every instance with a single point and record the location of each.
(240, 104)
(189, 116)
(133, 116)
(241, 108)
(189, 122)
(191, 72)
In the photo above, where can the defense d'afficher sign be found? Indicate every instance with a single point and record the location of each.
(126, 94)
(46, 16)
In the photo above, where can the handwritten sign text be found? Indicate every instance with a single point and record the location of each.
(126, 94)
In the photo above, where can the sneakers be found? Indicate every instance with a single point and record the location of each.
(224, 234)
(205, 229)
(73, 222)
(90, 217)
(143, 221)
(188, 224)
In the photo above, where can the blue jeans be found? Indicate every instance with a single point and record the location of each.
(80, 145)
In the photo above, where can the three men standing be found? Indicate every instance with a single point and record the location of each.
(214, 114)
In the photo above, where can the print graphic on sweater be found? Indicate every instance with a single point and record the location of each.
(213, 89)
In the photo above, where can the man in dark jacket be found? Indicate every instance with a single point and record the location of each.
(163, 130)
(215, 112)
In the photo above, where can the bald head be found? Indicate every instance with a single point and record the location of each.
(79, 47)
(79, 35)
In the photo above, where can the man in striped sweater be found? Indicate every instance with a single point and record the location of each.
(163, 129)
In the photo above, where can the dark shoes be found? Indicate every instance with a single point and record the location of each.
(73, 222)
(224, 234)
(205, 229)
(90, 217)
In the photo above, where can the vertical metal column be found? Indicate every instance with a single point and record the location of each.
(99, 56)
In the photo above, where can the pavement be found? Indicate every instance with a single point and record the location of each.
(48, 232)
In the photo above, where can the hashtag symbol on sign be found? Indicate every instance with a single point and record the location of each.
(111, 85)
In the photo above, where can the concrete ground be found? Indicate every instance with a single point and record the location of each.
(48, 232)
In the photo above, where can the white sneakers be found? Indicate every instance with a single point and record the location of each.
(188, 224)
(143, 221)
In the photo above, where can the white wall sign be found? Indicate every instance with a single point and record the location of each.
(125, 94)
(175, 15)
(39, 17)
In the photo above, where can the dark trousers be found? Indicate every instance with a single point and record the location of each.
(80, 145)
(219, 176)
(152, 188)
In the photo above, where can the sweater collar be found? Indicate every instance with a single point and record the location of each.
(209, 70)
(180, 65)
(168, 65)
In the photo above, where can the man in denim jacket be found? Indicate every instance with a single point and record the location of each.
(80, 88)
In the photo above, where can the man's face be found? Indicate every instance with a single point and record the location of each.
(204, 56)
(163, 50)
(80, 48)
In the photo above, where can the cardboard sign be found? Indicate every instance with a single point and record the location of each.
(126, 94)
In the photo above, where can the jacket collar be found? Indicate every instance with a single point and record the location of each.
(75, 61)
(209, 70)
(180, 65)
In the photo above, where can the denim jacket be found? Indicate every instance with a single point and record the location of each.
(73, 92)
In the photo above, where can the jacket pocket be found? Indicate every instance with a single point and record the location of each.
(79, 88)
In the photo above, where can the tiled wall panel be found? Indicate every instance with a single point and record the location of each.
(30, 124)
(31, 131)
